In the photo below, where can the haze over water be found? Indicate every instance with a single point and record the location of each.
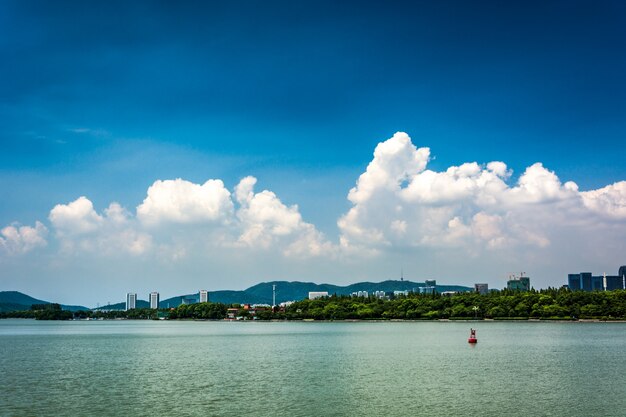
(301, 369)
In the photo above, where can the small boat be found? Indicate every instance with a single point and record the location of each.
(472, 338)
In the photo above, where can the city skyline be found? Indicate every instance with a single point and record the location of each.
(308, 142)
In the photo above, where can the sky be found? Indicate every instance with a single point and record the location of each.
(158, 146)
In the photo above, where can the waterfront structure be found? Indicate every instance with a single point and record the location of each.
(203, 296)
(520, 283)
(131, 301)
(317, 294)
(481, 288)
(154, 300)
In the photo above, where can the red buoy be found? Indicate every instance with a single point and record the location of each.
(472, 338)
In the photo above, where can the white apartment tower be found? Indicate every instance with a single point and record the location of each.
(131, 301)
(204, 296)
(154, 300)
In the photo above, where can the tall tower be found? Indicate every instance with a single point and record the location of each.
(154, 300)
(273, 295)
(131, 300)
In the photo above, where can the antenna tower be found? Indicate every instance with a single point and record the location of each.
(274, 295)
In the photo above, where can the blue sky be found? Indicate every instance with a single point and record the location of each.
(101, 100)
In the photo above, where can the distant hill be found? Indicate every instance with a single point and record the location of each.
(288, 291)
(15, 301)
(122, 305)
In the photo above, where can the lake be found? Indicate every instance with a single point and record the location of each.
(114, 368)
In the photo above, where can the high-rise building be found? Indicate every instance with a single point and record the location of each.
(518, 283)
(573, 282)
(131, 301)
(597, 283)
(154, 300)
(613, 282)
(204, 296)
(586, 282)
(481, 288)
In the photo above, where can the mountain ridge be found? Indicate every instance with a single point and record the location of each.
(260, 293)
(15, 300)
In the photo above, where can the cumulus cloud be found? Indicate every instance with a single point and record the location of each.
(79, 227)
(400, 207)
(178, 218)
(16, 239)
(398, 202)
(75, 218)
(180, 201)
(609, 201)
(265, 220)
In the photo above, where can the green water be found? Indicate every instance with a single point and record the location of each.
(124, 368)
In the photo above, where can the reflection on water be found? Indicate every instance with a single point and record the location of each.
(304, 369)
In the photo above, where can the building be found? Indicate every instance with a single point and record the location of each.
(364, 294)
(203, 296)
(428, 289)
(585, 281)
(399, 293)
(317, 294)
(378, 294)
(613, 282)
(430, 283)
(597, 283)
(520, 283)
(131, 301)
(154, 300)
(573, 282)
(481, 288)
(232, 313)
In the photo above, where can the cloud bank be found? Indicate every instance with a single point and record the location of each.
(398, 202)
(474, 213)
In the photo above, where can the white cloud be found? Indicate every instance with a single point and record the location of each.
(16, 239)
(179, 219)
(266, 221)
(399, 203)
(436, 221)
(75, 218)
(180, 201)
(609, 201)
(80, 228)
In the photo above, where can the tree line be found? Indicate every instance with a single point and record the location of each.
(548, 303)
(543, 304)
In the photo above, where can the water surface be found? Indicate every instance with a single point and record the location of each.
(309, 369)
